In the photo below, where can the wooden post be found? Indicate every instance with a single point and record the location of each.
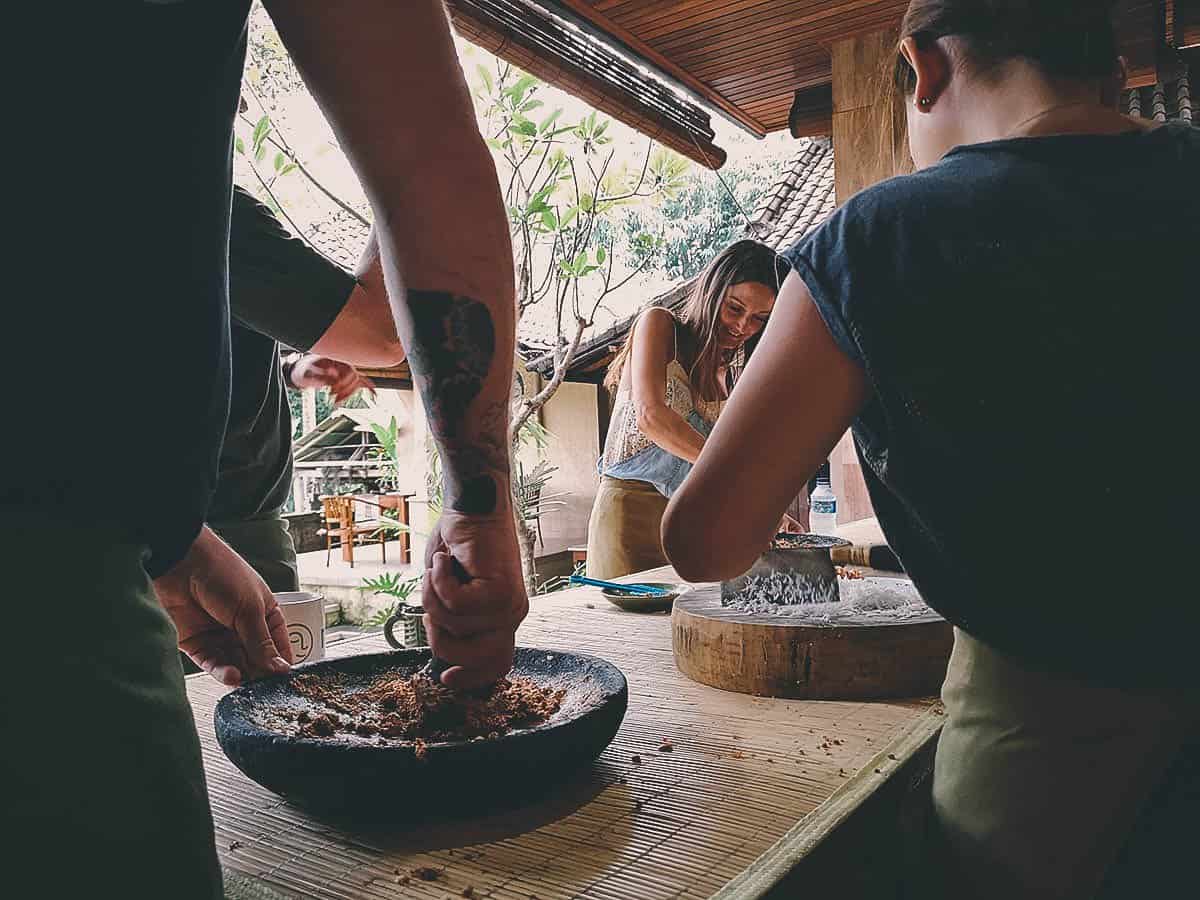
(867, 147)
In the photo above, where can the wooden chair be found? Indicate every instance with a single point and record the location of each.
(338, 513)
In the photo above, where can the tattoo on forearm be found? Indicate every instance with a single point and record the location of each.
(453, 347)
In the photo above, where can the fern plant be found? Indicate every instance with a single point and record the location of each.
(393, 585)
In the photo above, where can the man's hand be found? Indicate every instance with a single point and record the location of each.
(341, 378)
(226, 616)
(474, 596)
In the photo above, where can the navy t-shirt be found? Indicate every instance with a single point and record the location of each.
(1025, 312)
(118, 330)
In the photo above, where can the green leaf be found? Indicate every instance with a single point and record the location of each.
(520, 88)
(240, 146)
(280, 159)
(261, 130)
(260, 152)
(602, 127)
(495, 144)
(526, 128)
(601, 256)
(531, 105)
(290, 167)
(549, 121)
(587, 202)
(549, 219)
(580, 261)
(569, 217)
(486, 77)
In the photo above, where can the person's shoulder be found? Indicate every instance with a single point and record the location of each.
(657, 318)
(860, 220)
(655, 326)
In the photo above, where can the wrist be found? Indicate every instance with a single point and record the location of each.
(477, 491)
(288, 366)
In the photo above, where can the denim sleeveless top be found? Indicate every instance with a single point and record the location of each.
(631, 455)
(1025, 314)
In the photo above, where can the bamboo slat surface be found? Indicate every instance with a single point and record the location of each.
(743, 773)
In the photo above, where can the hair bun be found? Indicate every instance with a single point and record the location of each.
(1068, 38)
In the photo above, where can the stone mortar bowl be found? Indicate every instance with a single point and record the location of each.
(351, 773)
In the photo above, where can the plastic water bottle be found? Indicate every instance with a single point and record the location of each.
(822, 505)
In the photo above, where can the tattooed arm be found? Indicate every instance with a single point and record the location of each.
(388, 80)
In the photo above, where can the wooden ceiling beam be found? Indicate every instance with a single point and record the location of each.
(640, 48)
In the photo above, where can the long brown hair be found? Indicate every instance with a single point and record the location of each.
(740, 262)
(1063, 38)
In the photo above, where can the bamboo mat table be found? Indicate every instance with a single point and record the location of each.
(750, 785)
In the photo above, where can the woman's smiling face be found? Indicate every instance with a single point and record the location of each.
(744, 312)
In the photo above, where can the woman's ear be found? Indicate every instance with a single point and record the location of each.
(932, 67)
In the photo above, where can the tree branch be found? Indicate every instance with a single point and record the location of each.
(283, 145)
(562, 362)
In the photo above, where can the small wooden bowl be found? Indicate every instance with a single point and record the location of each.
(645, 602)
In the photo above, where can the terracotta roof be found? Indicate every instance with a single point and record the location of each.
(802, 198)
(798, 202)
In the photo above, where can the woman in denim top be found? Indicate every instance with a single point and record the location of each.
(670, 381)
(1010, 331)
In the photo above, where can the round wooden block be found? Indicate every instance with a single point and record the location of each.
(775, 656)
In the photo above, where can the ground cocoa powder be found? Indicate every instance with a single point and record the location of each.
(417, 710)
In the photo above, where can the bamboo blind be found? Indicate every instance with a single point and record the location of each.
(743, 773)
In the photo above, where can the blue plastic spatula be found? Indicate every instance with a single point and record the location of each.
(642, 589)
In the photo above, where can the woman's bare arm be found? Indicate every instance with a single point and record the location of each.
(798, 395)
(652, 351)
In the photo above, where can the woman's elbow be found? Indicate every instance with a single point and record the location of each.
(649, 420)
(694, 547)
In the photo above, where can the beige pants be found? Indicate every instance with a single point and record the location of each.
(1040, 779)
(625, 530)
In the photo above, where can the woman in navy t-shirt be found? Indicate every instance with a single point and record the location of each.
(1007, 331)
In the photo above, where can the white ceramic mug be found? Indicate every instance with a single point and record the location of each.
(305, 617)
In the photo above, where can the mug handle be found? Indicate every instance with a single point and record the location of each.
(387, 630)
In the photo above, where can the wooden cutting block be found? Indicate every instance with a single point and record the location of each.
(780, 656)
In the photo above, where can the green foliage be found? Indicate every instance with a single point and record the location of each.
(696, 219)
(563, 194)
(387, 452)
(393, 585)
(325, 407)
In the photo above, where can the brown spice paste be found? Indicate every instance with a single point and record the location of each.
(415, 709)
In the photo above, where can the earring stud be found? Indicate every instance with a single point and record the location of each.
(925, 102)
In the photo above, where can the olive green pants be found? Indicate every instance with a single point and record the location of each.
(104, 792)
(1045, 785)
(625, 529)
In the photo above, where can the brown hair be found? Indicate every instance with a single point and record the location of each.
(1063, 38)
(738, 263)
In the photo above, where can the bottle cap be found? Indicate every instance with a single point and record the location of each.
(823, 473)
